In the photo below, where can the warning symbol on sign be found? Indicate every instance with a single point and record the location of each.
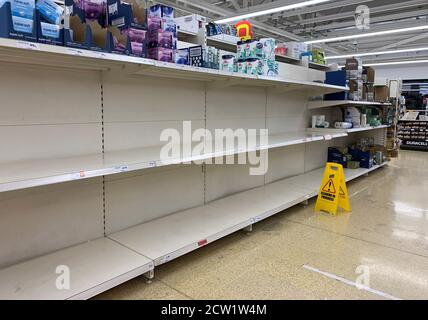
(341, 192)
(329, 187)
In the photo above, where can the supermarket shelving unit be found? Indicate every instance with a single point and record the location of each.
(82, 184)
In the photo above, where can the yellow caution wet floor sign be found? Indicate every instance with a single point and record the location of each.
(333, 192)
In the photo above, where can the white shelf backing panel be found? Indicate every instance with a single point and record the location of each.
(138, 197)
(95, 266)
(170, 237)
(327, 131)
(36, 53)
(327, 104)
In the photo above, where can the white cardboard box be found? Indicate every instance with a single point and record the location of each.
(190, 23)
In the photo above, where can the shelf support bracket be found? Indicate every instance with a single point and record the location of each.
(248, 229)
(149, 276)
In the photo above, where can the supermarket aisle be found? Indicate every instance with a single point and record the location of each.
(386, 235)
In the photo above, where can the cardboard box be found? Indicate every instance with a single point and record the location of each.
(354, 69)
(381, 93)
(370, 74)
(355, 90)
(192, 23)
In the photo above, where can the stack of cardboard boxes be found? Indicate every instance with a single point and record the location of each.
(361, 80)
(354, 77)
(368, 84)
(362, 154)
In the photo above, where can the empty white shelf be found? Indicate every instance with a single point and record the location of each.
(18, 51)
(172, 236)
(334, 131)
(95, 267)
(319, 66)
(327, 104)
(33, 173)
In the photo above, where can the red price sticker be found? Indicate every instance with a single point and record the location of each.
(202, 243)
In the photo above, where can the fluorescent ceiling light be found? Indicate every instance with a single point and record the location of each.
(377, 53)
(392, 63)
(371, 34)
(270, 11)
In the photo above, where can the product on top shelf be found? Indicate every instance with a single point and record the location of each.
(196, 57)
(50, 11)
(182, 56)
(22, 15)
(95, 10)
(161, 54)
(241, 66)
(130, 18)
(160, 39)
(228, 63)
(268, 48)
(296, 49)
(318, 56)
(212, 29)
(244, 30)
(281, 49)
(253, 49)
(254, 66)
(192, 23)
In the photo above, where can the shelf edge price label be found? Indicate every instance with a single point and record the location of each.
(152, 164)
(328, 137)
(79, 175)
(75, 52)
(28, 45)
(122, 169)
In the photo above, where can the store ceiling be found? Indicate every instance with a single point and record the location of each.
(330, 19)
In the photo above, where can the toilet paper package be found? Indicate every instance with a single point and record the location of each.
(23, 8)
(254, 67)
(269, 45)
(50, 11)
(270, 68)
(50, 30)
(22, 24)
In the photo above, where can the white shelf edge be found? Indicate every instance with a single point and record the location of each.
(328, 104)
(95, 267)
(143, 66)
(120, 166)
(134, 236)
(319, 66)
(353, 130)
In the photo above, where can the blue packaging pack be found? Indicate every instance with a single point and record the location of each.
(22, 24)
(23, 8)
(50, 30)
(50, 11)
(155, 11)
